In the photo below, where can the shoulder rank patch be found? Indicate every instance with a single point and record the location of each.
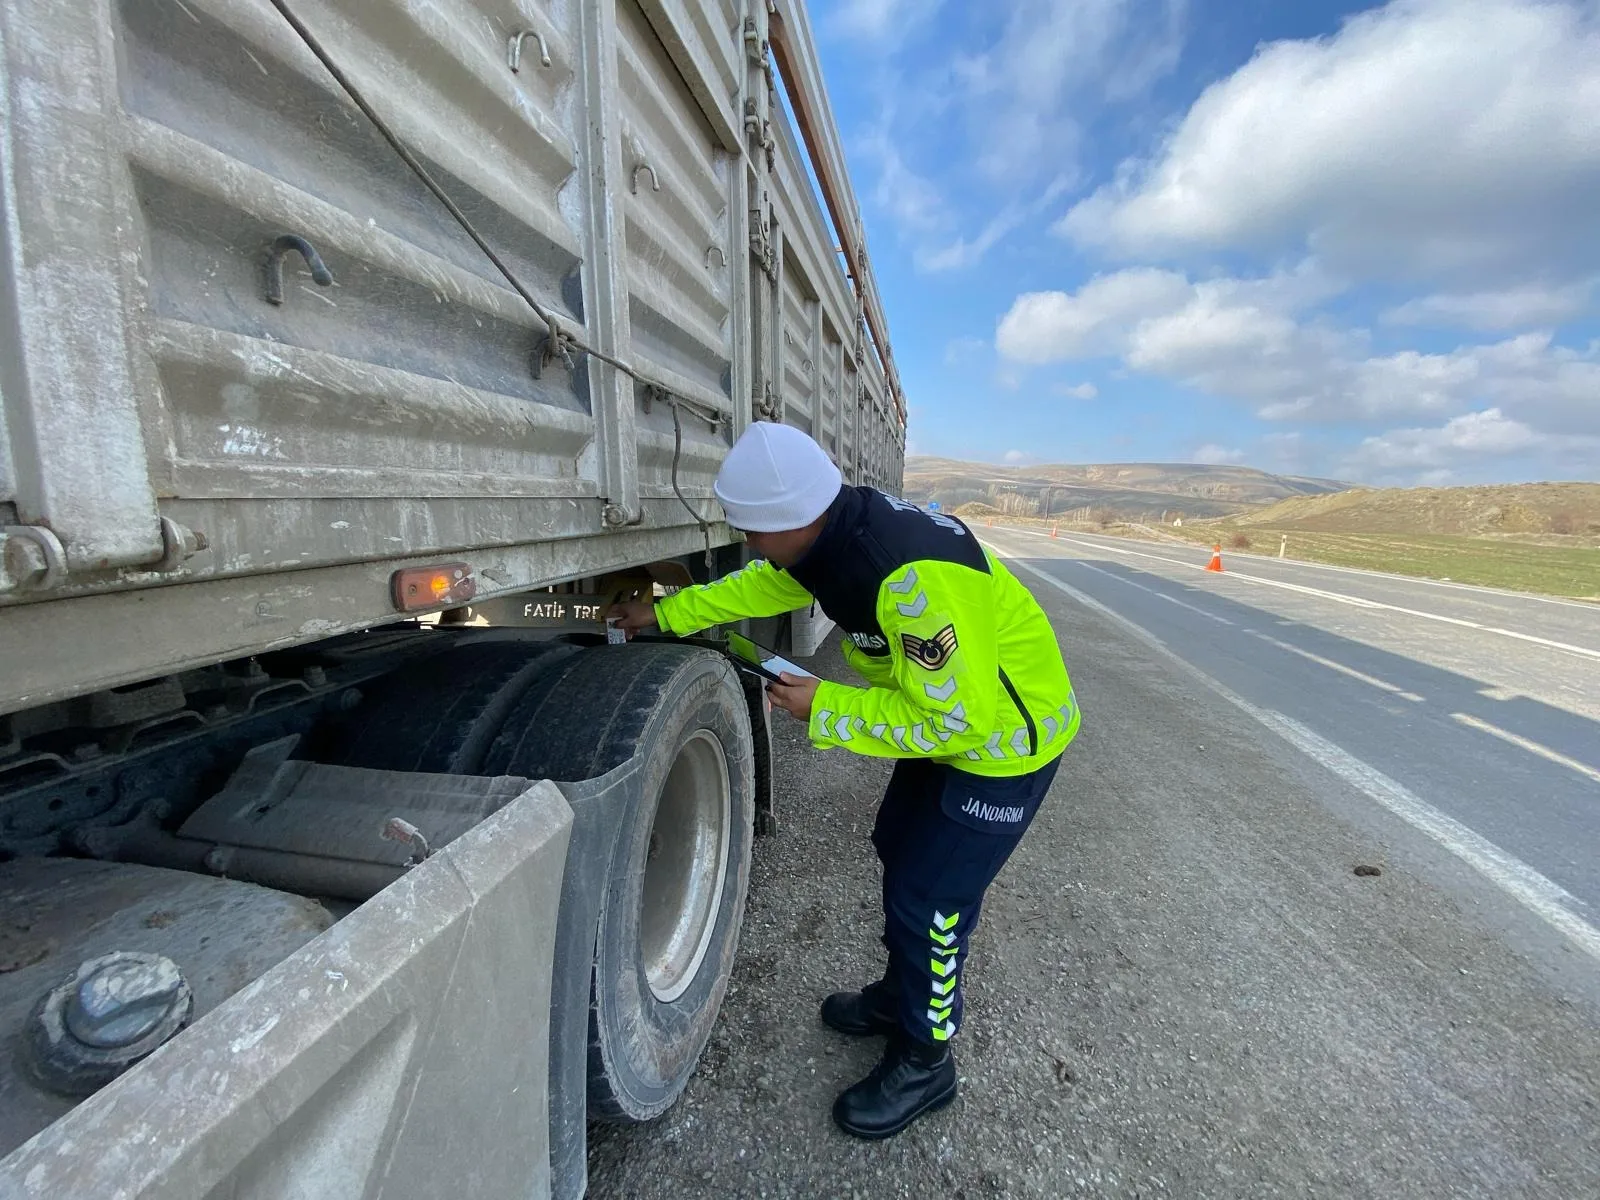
(931, 653)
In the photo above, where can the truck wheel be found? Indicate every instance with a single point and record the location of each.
(674, 899)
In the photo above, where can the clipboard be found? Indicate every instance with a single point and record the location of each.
(751, 656)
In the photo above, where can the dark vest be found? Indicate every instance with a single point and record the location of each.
(867, 538)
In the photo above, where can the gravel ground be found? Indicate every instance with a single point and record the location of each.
(1180, 988)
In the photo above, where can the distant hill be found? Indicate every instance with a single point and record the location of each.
(1522, 509)
(1130, 490)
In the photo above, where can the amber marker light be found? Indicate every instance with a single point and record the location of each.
(424, 589)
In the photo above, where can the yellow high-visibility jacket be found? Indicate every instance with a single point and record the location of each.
(962, 663)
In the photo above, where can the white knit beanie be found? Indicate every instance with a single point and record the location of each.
(776, 478)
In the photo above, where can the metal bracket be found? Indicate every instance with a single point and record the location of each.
(756, 47)
(178, 544)
(719, 253)
(283, 244)
(514, 49)
(761, 244)
(31, 559)
(655, 184)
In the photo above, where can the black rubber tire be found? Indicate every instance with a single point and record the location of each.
(590, 714)
(440, 715)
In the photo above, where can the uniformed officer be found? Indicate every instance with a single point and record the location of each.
(966, 690)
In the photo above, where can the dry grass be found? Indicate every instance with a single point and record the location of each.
(1571, 569)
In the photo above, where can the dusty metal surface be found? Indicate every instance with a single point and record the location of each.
(391, 405)
(344, 1070)
(58, 913)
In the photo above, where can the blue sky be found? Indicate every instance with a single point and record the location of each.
(1334, 239)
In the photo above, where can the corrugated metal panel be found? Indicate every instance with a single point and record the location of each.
(807, 233)
(799, 370)
(676, 253)
(411, 371)
(850, 406)
(676, 207)
(152, 153)
(703, 40)
(8, 478)
(831, 366)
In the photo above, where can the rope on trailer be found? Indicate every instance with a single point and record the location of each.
(562, 341)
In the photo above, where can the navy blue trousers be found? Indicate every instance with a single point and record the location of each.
(942, 836)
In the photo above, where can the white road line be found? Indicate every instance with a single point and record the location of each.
(1546, 899)
(1370, 680)
(1143, 588)
(1355, 601)
(1506, 593)
(1532, 747)
(1543, 897)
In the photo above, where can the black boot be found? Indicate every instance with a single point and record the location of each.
(913, 1078)
(867, 1013)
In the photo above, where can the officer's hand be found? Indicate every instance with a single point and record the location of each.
(795, 694)
(633, 615)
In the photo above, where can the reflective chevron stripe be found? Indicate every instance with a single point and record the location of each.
(916, 608)
(841, 730)
(943, 692)
(993, 746)
(946, 949)
(954, 720)
(906, 584)
(922, 743)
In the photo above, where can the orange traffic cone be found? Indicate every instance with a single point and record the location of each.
(1053, 529)
(1216, 560)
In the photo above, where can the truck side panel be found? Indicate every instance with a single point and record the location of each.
(209, 424)
(344, 1071)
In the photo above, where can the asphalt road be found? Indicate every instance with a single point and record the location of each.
(1482, 706)
(1180, 986)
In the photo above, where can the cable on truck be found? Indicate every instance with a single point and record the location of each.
(562, 342)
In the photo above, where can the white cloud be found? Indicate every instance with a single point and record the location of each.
(1531, 306)
(1214, 455)
(872, 21)
(964, 253)
(1045, 327)
(964, 350)
(1021, 114)
(988, 118)
(1076, 391)
(1253, 341)
(1018, 458)
(1450, 140)
(968, 252)
(1471, 435)
(914, 203)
